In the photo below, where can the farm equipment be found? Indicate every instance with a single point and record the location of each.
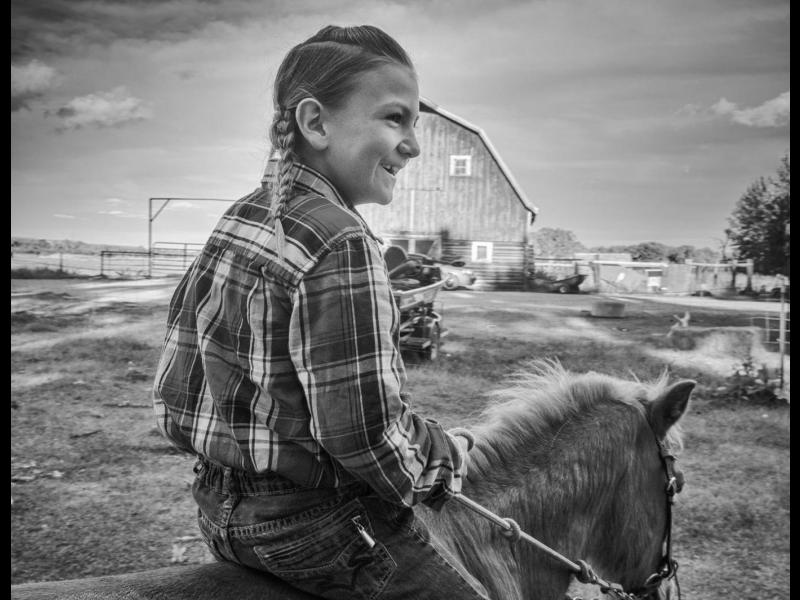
(421, 328)
(414, 287)
(567, 285)
(454, 271)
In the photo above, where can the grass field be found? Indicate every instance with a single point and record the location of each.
(96, 490)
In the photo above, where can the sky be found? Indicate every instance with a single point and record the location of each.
(622, 120)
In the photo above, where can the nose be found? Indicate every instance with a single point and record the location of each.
(409, 146)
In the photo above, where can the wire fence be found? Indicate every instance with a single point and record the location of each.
(170, 258)
(771, 327)
(166, 259)
(81, 265)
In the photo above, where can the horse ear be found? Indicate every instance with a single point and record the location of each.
(668, 408)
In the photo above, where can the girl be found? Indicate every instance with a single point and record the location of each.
(281, 370)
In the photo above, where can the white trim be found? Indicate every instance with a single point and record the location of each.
(465, 161)
(489, 246)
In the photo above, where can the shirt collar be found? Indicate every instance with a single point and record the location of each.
(308, 180)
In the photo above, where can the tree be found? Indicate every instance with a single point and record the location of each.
(680, 254)
(556, 243)
(658, 252)
(649, 252)
(759, 224)
(706, 255)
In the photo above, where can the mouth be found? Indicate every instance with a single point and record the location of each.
(391, 169)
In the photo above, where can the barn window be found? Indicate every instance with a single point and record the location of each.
(482, 252)
(460, 165)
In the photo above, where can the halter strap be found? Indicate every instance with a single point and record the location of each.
(668, 567)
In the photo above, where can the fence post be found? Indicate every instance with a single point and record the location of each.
(595, 267)
(767, 320)
(749, 267)
(782, 330)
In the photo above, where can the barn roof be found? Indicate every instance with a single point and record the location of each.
(428, 106)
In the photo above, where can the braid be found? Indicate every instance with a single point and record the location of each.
(282, 134)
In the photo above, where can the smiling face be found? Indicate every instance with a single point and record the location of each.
(371, 136)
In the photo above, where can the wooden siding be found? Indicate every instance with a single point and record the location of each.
(428, 200)
(504, 272)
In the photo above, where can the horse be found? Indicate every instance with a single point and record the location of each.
(582, 462)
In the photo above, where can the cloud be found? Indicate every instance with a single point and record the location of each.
(103, 109)
(772, 113)
(63, 216)
(120, 214)
(29, 82)
(53, 27)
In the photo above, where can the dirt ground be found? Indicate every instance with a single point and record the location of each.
(96, 490)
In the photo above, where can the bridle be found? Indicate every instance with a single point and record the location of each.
(667, 569)
(668, 566)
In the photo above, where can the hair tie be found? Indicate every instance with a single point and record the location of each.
(466, 434)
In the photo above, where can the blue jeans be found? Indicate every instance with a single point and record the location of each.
(344, 543)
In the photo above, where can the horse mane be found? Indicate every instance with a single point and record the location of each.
(544, 395)
(553, 449)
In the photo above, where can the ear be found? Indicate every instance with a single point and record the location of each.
(310, 123)
(667, 409)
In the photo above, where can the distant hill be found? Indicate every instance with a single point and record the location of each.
(41, 246)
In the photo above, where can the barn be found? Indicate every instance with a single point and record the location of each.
(458, 200)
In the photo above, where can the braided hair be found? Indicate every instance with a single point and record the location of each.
(325, 67)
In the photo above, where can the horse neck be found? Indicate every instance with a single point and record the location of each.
(572, 486)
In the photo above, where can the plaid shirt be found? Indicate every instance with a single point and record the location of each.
(288, 362)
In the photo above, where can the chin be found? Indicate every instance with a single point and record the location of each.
(383, 201)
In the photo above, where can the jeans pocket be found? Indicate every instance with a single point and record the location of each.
(329, 556)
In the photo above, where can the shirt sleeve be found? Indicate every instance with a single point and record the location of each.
(342, 340)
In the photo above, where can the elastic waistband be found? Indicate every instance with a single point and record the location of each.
(229, 480)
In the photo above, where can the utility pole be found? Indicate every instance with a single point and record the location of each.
(782, 322)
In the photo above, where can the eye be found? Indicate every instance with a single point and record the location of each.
(396, 118)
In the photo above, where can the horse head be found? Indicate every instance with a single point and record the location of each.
(584, 463)
(637, 525)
